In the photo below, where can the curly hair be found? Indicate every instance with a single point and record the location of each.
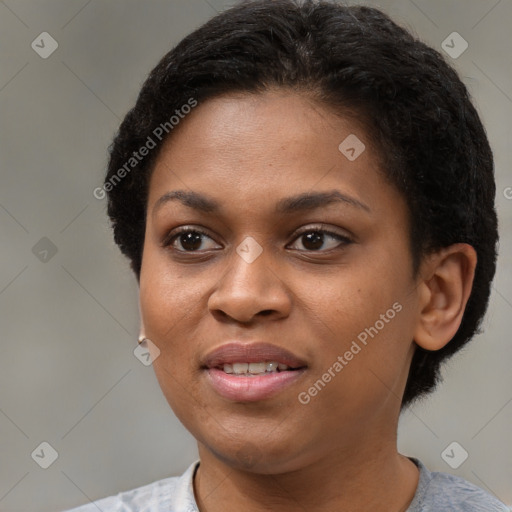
(356, 61)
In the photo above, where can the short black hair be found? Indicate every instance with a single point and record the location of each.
(358, 62)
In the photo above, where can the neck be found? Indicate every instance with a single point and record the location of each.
(344, 479)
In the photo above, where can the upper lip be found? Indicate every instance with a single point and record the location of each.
(255, 352)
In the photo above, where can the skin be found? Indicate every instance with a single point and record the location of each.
(338, 452)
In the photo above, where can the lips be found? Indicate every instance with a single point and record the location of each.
(224, 375)
(236, 352)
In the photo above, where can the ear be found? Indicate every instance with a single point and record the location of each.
(444, 290)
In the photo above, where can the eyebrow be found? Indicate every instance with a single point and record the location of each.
(301, 202)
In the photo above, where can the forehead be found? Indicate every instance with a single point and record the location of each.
(279, 119)
(257, 147)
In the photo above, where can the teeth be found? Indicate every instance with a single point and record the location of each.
(257, 367)
(272, 366)
(254, 368)
(239, 368)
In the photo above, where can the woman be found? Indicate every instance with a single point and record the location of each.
(306, 196)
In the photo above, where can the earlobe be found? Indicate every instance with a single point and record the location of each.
(142, 330)
(443, 294)
(142, 333)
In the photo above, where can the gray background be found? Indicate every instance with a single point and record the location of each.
(69, 320)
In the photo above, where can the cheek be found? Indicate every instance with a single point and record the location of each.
(182, 392)
(168, 298)
(354, 298)
(173, 316)
(364, 314)
(171, 311)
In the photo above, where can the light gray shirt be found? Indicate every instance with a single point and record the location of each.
(436, 492)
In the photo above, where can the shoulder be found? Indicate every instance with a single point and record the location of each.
(442, 491)
(173, 493)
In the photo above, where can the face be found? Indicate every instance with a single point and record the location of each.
(297, 245)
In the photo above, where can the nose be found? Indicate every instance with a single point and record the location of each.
(246, 291)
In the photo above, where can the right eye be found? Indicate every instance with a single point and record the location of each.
(190, 239)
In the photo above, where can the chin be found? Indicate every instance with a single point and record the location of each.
(259, 458)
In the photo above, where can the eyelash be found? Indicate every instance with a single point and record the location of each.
(344, 240)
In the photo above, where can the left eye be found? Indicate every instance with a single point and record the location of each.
(313, 239)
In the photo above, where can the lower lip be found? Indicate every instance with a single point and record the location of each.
(251, 389)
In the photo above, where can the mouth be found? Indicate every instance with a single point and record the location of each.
(251, 372)
(253, 369)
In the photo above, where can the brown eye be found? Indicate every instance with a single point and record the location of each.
(314, 239)
(189, 239)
